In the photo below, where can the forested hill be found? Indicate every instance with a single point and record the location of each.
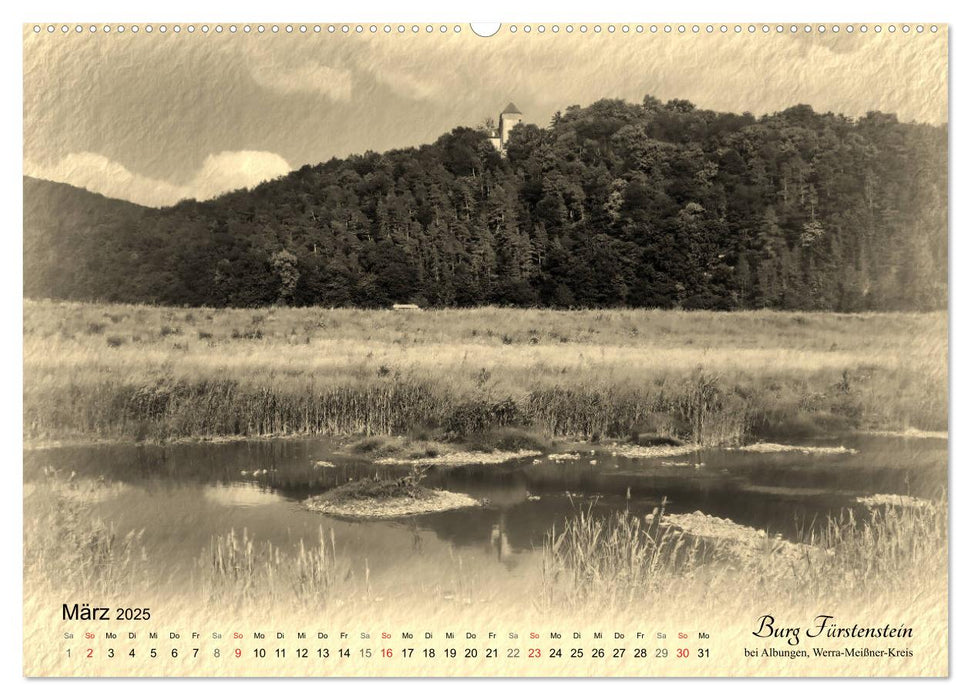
(615, 204)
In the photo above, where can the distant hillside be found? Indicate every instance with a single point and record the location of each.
(71, 239)
(615, 204)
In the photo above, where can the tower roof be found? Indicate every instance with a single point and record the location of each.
(510, 109)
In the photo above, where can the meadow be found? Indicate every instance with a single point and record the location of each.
(127, 372)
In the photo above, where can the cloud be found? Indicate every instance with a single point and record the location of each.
(414, 85)
(231, 170)
(310, 76)
(96, 173)
(220, 172)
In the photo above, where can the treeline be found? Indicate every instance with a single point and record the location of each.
(615, 204)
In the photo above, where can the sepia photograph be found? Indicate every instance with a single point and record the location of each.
(440, 350)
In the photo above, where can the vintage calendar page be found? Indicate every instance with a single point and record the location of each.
(432, 349)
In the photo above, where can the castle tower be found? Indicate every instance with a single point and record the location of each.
(508, 118)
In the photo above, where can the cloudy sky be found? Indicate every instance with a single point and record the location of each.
(155, 118)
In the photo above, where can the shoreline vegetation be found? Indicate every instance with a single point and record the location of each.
(619, 558)
(433, 501)
(479, 380)
(376, 497)
(586, 562)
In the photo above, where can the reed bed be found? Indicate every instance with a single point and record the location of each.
(239, 569)
(64, 544)
(593, 562)
(610, 561)
(156, 373)
(67, 548)
(888, 547)
(613, 560)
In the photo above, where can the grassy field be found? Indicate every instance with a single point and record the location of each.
(154, 373)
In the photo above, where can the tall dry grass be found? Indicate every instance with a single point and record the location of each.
(131, 372)
(887, 548)
(66, 545)
(611, 561)
(68, 548)
(240, 569)
(591, 563)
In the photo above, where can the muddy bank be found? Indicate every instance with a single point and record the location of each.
(770, 447)
(649, 452)
(894, 500)
(460, 458)
(433, 501)
(913, 433)
(745, 543)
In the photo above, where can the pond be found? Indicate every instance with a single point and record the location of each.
(184, 495)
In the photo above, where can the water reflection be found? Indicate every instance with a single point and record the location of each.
(240, 495)
(184, 495)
